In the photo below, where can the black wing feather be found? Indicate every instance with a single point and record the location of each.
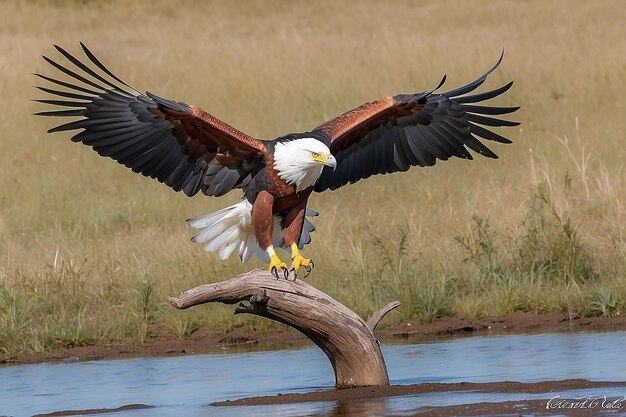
(67, 85)
(65, 94)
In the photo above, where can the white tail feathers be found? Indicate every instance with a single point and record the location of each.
(231, 228)
(224, 230)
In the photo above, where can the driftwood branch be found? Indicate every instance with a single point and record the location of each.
(343, 336)
(373, 321)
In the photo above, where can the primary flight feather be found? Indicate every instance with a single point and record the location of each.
(190, 150)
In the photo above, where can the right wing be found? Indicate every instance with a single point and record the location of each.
(180, 145)
(395, 133)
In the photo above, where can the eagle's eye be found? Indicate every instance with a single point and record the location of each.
(315, 154)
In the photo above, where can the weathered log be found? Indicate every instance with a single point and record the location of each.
(344, 337)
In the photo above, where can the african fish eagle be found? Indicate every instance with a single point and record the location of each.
(188, 149)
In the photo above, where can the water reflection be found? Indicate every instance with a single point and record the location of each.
(186, 384)
(365, 408)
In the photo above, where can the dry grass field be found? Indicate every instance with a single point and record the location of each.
(90, 250)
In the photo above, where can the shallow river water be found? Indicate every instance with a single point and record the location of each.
(185, 385)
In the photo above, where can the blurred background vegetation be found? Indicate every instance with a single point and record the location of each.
(89, 250)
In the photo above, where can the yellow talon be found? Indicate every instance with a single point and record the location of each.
(298, 261)
(276, 263)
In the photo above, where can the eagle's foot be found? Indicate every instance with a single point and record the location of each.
(298, 261)
(276, 265)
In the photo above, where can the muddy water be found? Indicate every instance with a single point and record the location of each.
(184, 385)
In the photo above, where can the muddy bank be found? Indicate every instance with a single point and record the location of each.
(354, 394)
(201, 342)
(95, 411)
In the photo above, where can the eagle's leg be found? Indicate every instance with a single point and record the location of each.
(263, 223)
(294, 221)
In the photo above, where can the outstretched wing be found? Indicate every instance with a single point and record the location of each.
(178, 144)
(394, 133)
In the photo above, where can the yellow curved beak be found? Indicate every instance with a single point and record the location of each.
(326, 159)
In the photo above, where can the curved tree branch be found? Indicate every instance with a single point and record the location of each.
(343, 336)
(373, 321)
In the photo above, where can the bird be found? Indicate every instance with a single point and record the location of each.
(190, 150)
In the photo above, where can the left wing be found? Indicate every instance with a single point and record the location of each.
(178, 144)
(394, 133)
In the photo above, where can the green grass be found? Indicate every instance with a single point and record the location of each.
(89, 251)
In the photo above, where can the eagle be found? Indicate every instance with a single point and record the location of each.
(190, 150)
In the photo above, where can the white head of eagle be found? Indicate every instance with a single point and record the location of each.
(300, 161)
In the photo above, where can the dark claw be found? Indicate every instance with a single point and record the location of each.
(295, 275)
(274, 272)
(308, 268)
(286, 273)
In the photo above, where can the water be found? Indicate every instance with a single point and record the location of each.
(184, 385)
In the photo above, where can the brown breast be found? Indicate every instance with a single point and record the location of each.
(285, 195)
(286, 202)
